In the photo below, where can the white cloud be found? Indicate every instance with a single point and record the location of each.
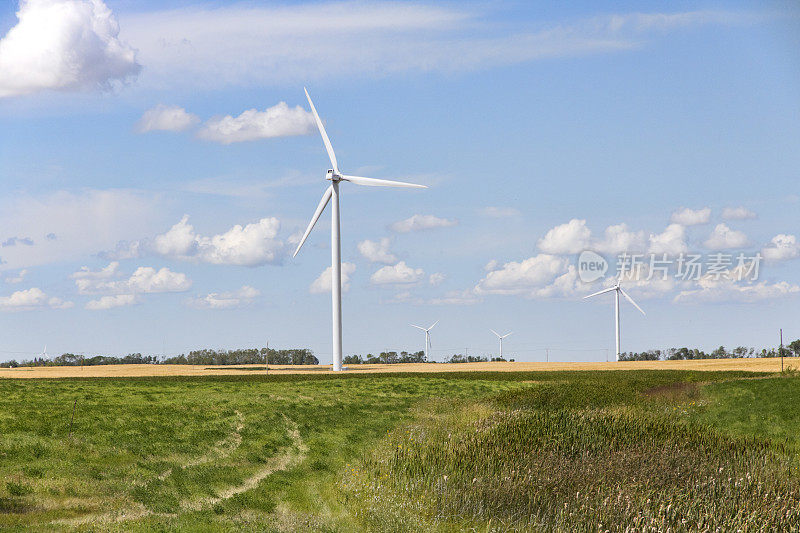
(399, 273)
(781, 247)
(724, 238)
(671, 242)
(569, 238)
(110, 302)
(248, 44)
(422, 222)
(227, 300)
(691, 217)
(436, 279)
(733, 286)
(64, 45)
(738, 213)
(277, 121)
(166, 118)
(144, 280)
(323, 283)
(23, 300)
(491, 265)
(527, 277)
(19, 278)
(618, 238)
(377, 251)
(252, 245)
(499, 212)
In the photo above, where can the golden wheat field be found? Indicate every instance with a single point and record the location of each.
(753, 365)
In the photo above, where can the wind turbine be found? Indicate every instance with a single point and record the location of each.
(617, 290)
(501, 337)
(427, 337)
(332, 192)
(43, 355)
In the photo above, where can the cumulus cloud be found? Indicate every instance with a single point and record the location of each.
(251, 245)
(672, 241)
(323, 283)
(529, 277)
(166, 118)
(399, 273)
(64, 45)
(422, 222)
(18, 278)
(110, 302)
(227, 300)
(569, 238)
(277, 121)
(738, 213)
(618, 238)
(691, 217)
(736, 284)
(500, 212)
(377, 251)
(781, 247)
(724, 238)
(33, 298)
(144, 280)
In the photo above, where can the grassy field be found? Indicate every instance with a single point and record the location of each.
(488, 451)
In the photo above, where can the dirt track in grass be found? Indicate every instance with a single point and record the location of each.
(119, 371)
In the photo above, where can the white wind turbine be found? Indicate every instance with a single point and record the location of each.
(43, 355)
(427, 338)
(617, 290)
(501, 337)
(332, 192)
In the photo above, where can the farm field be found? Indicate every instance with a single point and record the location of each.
(749, 364)
(486, 451)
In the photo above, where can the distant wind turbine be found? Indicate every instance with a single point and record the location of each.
(617, 290)
(501, 337)
(332, 192)
(427, 337)
(43, 355)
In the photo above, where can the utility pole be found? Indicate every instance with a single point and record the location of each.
(781, 349)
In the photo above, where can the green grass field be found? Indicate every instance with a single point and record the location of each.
(558, 451)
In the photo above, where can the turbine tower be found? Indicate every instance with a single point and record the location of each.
(617, 290)
(427, 338)
(501, 337)
(332, 192)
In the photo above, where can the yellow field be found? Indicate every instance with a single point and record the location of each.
(753, 365)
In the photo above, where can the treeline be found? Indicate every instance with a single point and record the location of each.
(676, 354)
(297, 356)
(389, 358)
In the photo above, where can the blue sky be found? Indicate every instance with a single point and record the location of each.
(535, 126)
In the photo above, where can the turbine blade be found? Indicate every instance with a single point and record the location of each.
(600, 292)
(374, 182)
(322, 132)
(625, 294)
(320, 208)
(430, 328)
(507, 334)
(493, 331)
(419, 327)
